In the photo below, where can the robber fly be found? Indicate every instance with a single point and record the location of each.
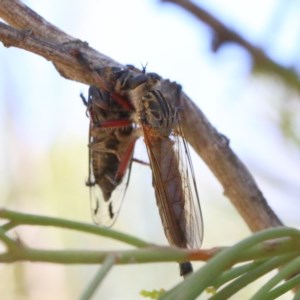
(154, 116)
(173, 176)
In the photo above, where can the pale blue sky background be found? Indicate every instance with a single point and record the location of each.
(46, 109)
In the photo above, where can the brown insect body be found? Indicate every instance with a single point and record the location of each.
(173, 177)
(111, 142)
(157, 120)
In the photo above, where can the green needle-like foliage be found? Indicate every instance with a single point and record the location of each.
(227, 271)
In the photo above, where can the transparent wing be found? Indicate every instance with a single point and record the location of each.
(193, 214)
(106, 212)
(109, 175)
(175, 188)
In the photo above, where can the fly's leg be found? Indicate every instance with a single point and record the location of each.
(139, 161)
(125, 160)
(115, 124)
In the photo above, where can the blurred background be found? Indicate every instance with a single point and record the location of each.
(44, 131)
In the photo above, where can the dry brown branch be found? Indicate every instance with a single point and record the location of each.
(32, 33)
(223, 34)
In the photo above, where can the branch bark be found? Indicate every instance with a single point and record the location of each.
(33, 33)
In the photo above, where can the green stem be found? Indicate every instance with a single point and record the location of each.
(8, 226)
(234, 273)
(283, 288)
(200, 280)
(297, 295)
(286, 271)
(249, 277)
(9, 243)
(92, 287)
(271, 248)
(27, 219)
(144, 255)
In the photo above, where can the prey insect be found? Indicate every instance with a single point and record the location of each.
(111, 142)
(155, 117)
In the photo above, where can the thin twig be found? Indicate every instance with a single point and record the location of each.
(287, 271)
(94, 285)
(263, 268)
(18, 218)
(278, 241)
(223, 34)
(22, 17)
(9, 242)
(136, 256)
(63, 55)
(38, 36)
(271, 248)
(197, 282)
